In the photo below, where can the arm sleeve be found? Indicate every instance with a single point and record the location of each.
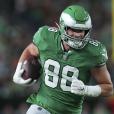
(37, 37)
(102, 56)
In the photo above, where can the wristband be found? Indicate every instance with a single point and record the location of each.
(92, 91)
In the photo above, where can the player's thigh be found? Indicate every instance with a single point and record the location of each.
(35, 109)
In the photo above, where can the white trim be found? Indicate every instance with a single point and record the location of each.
(69, 21)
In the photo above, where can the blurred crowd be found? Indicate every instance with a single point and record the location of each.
(19, 20)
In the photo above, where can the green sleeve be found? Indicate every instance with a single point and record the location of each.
(37, 38)
(40, 38)
(102, 56)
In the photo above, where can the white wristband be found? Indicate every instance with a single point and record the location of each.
(92, 91)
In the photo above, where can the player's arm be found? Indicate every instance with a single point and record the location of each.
(104, 86)
(102, 76)
(30, 51)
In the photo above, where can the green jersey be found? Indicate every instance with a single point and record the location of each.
(58, 69)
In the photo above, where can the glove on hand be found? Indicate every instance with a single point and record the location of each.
(78, 88)
(17, 78)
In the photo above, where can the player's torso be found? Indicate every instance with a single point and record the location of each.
(72, 63)
(58, 69)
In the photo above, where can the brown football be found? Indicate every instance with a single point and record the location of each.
(32, 69)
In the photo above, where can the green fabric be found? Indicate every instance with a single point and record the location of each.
(78, 13)
(59, 67)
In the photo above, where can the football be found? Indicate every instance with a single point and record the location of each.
(32, 69)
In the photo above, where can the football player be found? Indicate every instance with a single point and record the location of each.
(69, 57)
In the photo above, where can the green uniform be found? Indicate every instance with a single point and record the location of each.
(59, 67)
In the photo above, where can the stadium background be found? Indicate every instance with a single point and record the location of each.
(19, 20)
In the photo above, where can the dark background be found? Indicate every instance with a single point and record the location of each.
(19, 20)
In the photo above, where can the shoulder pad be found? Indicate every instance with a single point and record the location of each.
(94, 42)
(98, 50)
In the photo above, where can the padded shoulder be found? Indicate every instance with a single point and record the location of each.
(98, 50)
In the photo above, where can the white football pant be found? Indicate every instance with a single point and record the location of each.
(35, 109)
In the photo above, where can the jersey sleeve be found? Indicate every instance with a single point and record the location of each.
(45, 38)
(40, 37)
(102, 56)
(37, 38)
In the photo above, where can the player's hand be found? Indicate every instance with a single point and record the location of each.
(17, 78)
(78, 87)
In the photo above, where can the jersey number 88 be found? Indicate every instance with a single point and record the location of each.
(55, 74)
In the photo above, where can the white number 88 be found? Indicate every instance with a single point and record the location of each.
(55, 74)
